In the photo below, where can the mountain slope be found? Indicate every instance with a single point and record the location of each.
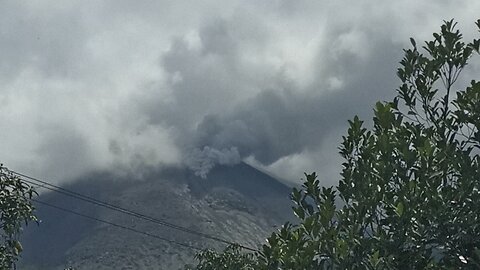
(237, 203)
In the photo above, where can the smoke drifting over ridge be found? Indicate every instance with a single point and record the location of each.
(119, 84)
(227, 108)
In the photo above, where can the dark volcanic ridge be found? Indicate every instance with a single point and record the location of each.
(236, 203)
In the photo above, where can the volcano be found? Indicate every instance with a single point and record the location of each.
(235, 203)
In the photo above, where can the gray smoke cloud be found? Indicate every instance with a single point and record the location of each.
(120, 84)
(201, 161)
(269, 115)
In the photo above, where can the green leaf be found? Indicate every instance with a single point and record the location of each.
(375, 259)
(399, 209)
(414, 44)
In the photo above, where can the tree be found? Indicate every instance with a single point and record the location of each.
(231, 258)
(15, 209)
(409, 195)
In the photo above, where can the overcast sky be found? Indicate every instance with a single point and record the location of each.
(88, 85)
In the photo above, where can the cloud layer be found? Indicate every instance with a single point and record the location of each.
(118, 84)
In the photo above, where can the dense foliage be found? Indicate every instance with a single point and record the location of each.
(15, 209)
(409, 193)
(231, 258)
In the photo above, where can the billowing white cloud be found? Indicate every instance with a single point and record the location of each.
(122, 84)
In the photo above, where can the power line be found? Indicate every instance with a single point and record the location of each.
(117, 225)
(120, 209)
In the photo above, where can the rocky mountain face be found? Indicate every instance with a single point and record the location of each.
(236, 203)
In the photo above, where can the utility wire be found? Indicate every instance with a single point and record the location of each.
(117, 225)
(97, 202)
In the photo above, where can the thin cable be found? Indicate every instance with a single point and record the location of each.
(122, 210)
(97, 202)
(118, 208)
(116, 225)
